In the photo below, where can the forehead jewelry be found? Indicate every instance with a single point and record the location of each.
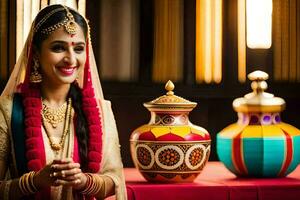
(38, 25)
(70, 26)
(68, 22)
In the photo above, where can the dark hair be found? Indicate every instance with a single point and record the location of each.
(55, 18)
(81, 126)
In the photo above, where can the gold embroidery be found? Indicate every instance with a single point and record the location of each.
(6, 190)
(5, 112)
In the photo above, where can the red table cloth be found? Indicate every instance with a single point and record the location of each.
(215, 183)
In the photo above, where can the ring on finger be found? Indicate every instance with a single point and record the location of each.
(77, 181)
(63, 174)
(53, 167)
(54, 174)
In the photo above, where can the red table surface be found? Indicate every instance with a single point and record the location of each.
(215, 183)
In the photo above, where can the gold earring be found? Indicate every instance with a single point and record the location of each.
(35, 76)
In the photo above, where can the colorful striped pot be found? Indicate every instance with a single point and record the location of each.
(259, 144)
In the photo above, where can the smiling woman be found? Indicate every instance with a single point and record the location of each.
(54, 121)
(62, 56)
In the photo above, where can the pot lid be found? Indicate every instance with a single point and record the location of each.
(170, 100)
(258, 100)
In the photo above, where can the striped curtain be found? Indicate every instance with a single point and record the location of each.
(208, 41)
(286, 40)
(4, 40)
(28, 9)
(241, 34)
(168, 40)
(118, 39)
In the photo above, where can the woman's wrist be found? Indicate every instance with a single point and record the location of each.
(83, 182)
(27, 183)
(94, 184)
(37, 181)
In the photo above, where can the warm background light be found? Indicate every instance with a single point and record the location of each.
(208, 41)
(259, 23)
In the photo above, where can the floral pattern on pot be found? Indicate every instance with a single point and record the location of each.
(172, 162)
(170, 148)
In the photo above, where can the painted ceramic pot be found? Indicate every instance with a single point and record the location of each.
(170, 148)
(259, 144)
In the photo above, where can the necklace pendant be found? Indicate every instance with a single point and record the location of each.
(54, 125)
(54, 116)
(56, 147)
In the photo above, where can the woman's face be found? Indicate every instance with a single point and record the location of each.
(62, 56)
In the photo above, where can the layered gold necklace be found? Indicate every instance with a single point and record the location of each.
(55, 116)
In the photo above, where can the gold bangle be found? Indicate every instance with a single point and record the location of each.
(32, 174)
(103, 188)
(88, 184)
(26, 184)
(98, 182)
(94, 184)
(93, 187)
(21, 184)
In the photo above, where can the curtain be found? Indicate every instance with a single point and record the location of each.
(208, 41)
(3, 40)
(241, 34)
(28, 9)
(168, 40)
(119, 39)
(286, 40)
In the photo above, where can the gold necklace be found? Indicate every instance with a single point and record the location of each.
(54, 115)
(56, 147)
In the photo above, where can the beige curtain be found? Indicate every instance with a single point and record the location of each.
(28, 9)
(286, 40)
(119, 39)
(3, 40)
(168, 40)
(208, 41)
(241, 34)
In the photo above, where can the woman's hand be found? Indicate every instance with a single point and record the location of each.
(61, 172)
(68, 173)
(43, 177)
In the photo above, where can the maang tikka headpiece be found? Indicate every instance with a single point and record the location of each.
(68, 22)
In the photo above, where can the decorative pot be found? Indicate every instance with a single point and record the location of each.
(259, 144)
(170, 148)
